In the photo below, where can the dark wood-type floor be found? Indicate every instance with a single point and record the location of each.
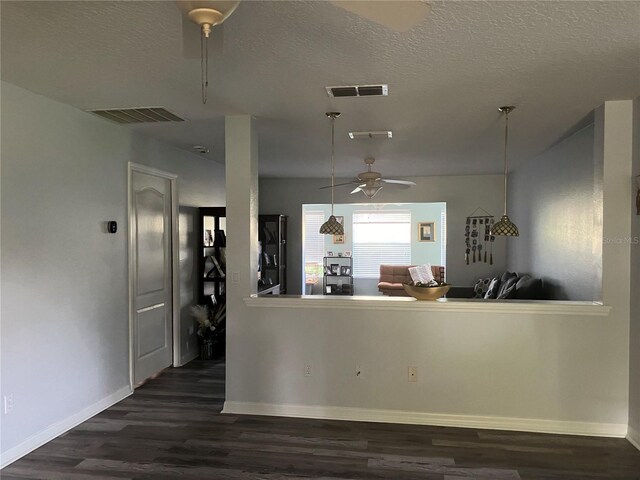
(171, 429)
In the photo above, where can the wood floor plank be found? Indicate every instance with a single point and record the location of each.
(172, 428)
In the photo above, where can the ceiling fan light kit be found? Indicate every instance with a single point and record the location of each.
(371, 190)
(332, 226)
(505, 227)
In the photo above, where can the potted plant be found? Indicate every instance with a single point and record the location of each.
(210, 329)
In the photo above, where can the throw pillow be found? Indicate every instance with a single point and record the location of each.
(481, 287)
(507, 275)
(529, 288)
(508, 289)
(494, 286)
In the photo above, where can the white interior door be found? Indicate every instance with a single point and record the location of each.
(152, 322)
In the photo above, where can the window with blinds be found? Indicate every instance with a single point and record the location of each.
(443, 237)
(380, 238)
(312, 243)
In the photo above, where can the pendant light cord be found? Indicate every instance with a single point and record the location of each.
(204, 65)
(333, 141)
(506, 142)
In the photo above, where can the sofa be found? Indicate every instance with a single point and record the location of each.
(507, 286)
(393, 276)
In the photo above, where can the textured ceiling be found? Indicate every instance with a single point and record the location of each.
(555, 60)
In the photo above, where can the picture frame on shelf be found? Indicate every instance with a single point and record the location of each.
(327, 270)
(347, 254)
(328, 289)
(427, 231)
(345, 270)
(335, 269)
(329, 254)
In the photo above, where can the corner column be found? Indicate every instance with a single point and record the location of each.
(241, 173)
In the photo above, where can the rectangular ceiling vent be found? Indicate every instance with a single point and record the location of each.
(138, 115)
(359, 91)
(376, 134)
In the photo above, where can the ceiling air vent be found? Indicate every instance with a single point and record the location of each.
(376, 134)
(138, 115)
(358, 91)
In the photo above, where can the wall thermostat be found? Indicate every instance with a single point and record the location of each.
(112, 226)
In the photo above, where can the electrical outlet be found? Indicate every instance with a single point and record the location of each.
(359, 371)
(307, 370)
(413, 374)
(8, 403)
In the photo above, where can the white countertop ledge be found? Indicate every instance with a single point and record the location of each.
(458, 305)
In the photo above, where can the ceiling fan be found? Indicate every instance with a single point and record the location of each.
(370, 182)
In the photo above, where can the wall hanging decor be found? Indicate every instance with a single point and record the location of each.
(478, 238)
(427, 231)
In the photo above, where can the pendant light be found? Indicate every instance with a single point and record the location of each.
(505, 227)
(331, 226)
(207, 18)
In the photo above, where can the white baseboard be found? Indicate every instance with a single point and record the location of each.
(633, 436)
(58, 428)
(188, 357)
(422, 418)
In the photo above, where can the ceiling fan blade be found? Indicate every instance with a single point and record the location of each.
(397, 16)
(357, 189)
(339, 185)
(398, 182)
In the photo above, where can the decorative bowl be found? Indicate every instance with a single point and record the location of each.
(426, 293)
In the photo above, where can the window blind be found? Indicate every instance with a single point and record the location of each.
(380, 238)
(312, 240)
(443, 237)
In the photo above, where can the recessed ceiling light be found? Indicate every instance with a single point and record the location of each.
(376, 134)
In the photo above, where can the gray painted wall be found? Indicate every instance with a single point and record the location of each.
(462, 194)
(634, 347)
(555, 200)
(64, 281)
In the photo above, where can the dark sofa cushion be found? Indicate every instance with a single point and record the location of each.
(529, 288)
(508, 288)
(494, 287)
(507, 275)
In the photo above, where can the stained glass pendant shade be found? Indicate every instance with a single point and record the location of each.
(331, 226)
(505, 227)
